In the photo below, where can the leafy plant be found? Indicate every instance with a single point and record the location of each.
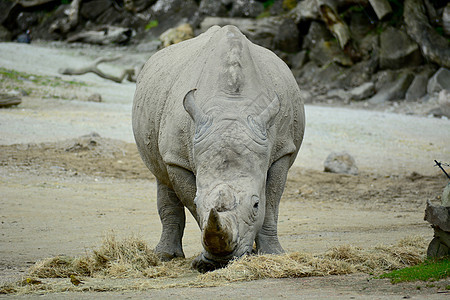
(428, 270)
(151, 24)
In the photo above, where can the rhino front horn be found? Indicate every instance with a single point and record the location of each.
(217, 237)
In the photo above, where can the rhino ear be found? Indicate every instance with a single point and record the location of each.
(268, 115)
(191, 107)
(264, 120)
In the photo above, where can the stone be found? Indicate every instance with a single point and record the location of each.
(397, 50)
(212, 8)
(394, 90)
(341, 163)
(93, 9)
(445, 199)
(381, 7)
(246, 8)
(306, 10)
(96, 97)
(287, 38)
(317, 32)
(438, 216)
(439, 81)
(175, 35)
(150, 46)
(359, 73)
(325, 52)
(444, 102)
(363, 91)
(259, 31)
(446, 19)
(5, 35)
(418, 88)
(299, 59)
(170, 14)
(338, 94)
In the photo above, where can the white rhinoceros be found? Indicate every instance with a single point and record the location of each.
(218, 120)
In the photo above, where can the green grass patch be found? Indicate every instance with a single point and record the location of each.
(430, 270)
(20, 77)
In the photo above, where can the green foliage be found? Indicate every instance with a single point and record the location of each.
(65, 1)
(20, 77)
(267, 4)
(428, 270)
(151, 24)
(289, 4)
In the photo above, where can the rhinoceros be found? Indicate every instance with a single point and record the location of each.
(219, 121)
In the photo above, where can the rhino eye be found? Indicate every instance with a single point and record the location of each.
(255, 200)
(258, 128)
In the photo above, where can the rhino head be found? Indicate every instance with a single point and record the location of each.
(231, 156)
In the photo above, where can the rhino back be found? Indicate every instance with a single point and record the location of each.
(218, 62)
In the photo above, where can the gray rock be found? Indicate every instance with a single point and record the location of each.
(397, 50)
(338, 94)
(259, 31)
(96, 97)
(171, 13)
(446, 19)
(445, 199)
(93, 9)
(287, 38)
(246, 8)
(341, 163)
(299, 59)
(359, 73)
(212, 8)
(5, 35)
(317, 32)
(439, 81)
(444, 102)
(306, 10)
(150, 46)
(329, 76)
(393, 90)
(325, 52)
(363, 91)
(418, 88)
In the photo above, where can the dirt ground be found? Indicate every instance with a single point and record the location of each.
(64, 187)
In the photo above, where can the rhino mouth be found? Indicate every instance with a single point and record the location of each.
(207, 262)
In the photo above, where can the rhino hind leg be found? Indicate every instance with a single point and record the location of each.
(267, 238)
(173, 219)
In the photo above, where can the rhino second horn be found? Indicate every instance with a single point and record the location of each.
(217, 238)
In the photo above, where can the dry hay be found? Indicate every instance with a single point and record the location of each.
(130, 264)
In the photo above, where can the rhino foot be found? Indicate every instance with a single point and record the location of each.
(268, 245)
(167, 253)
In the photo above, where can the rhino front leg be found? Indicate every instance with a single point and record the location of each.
(173, 219)
(267, 238)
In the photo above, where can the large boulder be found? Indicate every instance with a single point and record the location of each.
(91, 10)
(171, 13)
(418, 88)
(341, 163)
(397, 50)
(439, 81)
(246, 9)
(213, 8)
(444, 102)
(264, 32)
(176, 35)
(394, 89)
(287, 39)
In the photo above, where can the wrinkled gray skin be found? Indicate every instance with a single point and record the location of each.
(218, 121)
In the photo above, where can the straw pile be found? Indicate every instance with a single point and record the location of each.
(130, 264)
